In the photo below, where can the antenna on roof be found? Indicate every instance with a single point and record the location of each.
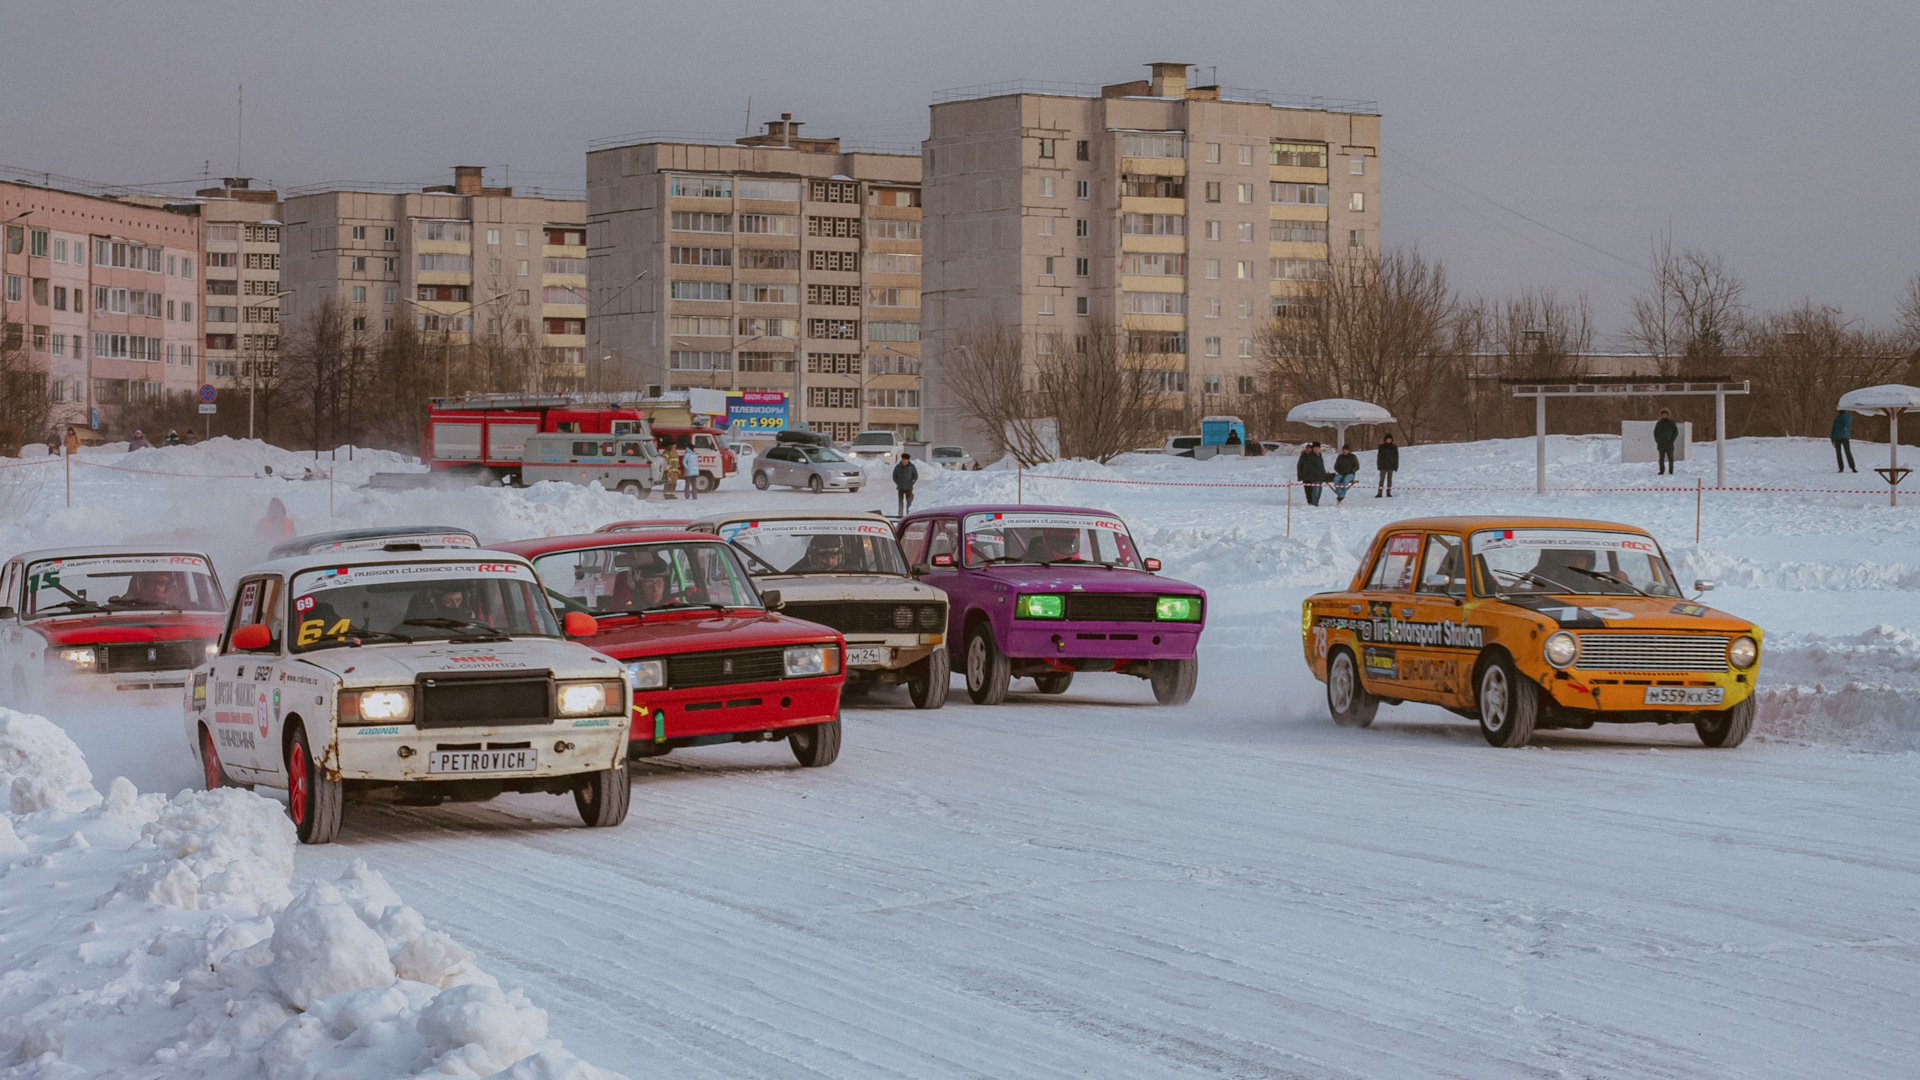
(747, 128)
(240, 130)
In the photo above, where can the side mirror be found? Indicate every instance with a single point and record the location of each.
(943, 560)
(252, 637)
(579, 624)
(771, 598)
(1703, 586)
(1152, 565)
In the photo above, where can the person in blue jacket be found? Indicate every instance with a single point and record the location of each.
(1842, 436)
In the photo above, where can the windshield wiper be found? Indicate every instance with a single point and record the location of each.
(1602, 575)
(1552, 585)
(76, 603)
(138, 603)
(482, 632)
(355, 637)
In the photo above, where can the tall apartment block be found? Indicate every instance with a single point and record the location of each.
(1185, 216)
(102, 297)
(775, 262)
(463, 262)
(240, 233)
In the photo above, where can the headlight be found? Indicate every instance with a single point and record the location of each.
(1562, 650)
(1177, 609)
(386, 704)
(647, 674)
(1743, 652)
(213, 649)
(812, 660)
(79, 658)
(1040, 606)
(589, 698)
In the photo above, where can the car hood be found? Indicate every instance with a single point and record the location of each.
(396, 663)
(129, 627)
(1654, 614)
(626, 638)
(1062, 577)
(808, 588)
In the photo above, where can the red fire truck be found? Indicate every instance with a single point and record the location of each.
(484, 434)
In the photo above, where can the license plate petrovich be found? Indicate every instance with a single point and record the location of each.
(482, 761)
(1684, 695)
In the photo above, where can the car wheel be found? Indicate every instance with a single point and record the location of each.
(704, 483)
(603, 797)
(313, 801)
(760, 480)
(633, 488)
(213, 774)
(1173, 680)
(815, 484)
(929, 680)
(1508, 702)
(1347, 699)
(987, 669)
(1055, 683)
(816, 744)
(1726, 728)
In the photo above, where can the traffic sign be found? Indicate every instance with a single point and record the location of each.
(207, 393)
(208, 408)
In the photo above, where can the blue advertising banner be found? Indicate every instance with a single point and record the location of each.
(750, 411)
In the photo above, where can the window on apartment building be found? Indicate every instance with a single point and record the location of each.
(769, 328)
(1213, 153)
(1082, 267)
(832, 191)
(1153, 187)
(1046, 266)
(893, 331)
(444, 264)
(389, 234)
(699, 325)
(1153, 224)
(186, 311)
(1211, 231)
(1245, 229)
(1046, 303)
(359, 322)
(1153, 303)
(1212, 268)
(883, 196)
(1081, 151)
(1298, 269)
(359, 294)
(752, 292)
(493, 237)
(700, 256)
(60, 251)
(525, 268)
(893, 399)
(565, 326)
(1243, 270)
(701, 290)
(1083, 189)
(763, 190)
(1246, 309)
(16, 239)
(766, 361)
(1357, 166)
(771, 259)
(16, 289)
(1298, 194)
(1213, 346)
(834, 260)
(59, 349)
(1245, 192)
(1213, 191)
(1245, 384)
(881, 262)
(230, 288)
(1356, 238)
(1298, 232)
(1046, 226)
(1156, 264)
(455, 294)
(359, 232)
(1300, 155)
(821, 225)
(887, 229)
(41, 291)
(59, 298)
(219, 258)
(359, 264)
(1213, 309)
(1210, 384)
(1357, 201)
(556, 294)
(1246, 155)
(519, 238)
(37, 243)
(1081, 227)
(700, 187)
(1046, 147)
(889, 296)
(699, 360)
(390, 294)
(457, 232)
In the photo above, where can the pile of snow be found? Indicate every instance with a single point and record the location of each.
(1857, 690)
(152, 936)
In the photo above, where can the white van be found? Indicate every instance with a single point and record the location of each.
(628, 463)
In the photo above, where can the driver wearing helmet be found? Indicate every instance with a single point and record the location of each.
(643, 581)
(154, 588)
(1055, 545)
(826, 554)
(1570, 567)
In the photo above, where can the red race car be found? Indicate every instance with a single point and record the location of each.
(709, 658)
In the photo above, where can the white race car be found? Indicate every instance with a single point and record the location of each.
(442, 674)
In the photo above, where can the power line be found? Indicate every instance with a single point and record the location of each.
(1524, 217)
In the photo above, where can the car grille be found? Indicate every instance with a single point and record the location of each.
(871, 616)
(1652, 652)
(463, 700)
(726, 666)
(1110, 607)
(149, 656)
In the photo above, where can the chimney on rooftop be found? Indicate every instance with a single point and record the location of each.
(466, 179)
(1169, 79)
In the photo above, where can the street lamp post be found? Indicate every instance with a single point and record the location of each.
(253, 362)
(608, 301)
(446, 340)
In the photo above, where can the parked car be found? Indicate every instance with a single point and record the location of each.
(438, 674)
(952, 457)
(816, 468)
(119, 618)
(1043, 592)
(646, 525)
(876, 446)
(1181, 445)
(386, 537)
(709, 660)
(844, 570)
(1525, 623)
(1272, 447)
(627, 463)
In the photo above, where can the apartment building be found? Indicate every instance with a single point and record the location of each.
(465, 263)
(1184, 216)
(240, 236)
(775, 262)
(102, 295)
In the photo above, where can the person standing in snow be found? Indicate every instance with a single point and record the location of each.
(1842, 436)
(73, 440)
(904, 474)
(1345, 468)
(192, 439)
(1312, 472)
(276, 526)
(138, 442)
(690, 468)
(1665, 434)
(172, 439)
(1386, 458)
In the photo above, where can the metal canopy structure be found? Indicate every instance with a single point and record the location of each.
(1889, 400)
(1338, 414)
(1595, 386)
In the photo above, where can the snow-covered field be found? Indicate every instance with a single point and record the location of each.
(1086, 885)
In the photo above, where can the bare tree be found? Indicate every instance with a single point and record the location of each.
(985, 374)
(1801, 360)
(1537, 335)
(1689, 312)
(1093, 396)
(26, 409)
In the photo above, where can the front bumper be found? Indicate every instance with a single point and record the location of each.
(1069, 640)
(1617, 692)
(661, 716)
(373, 752)
(902, 651)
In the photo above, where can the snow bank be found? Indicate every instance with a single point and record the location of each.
(161, 936)
(1859, 690)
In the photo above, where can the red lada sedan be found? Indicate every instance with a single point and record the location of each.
(708, 659)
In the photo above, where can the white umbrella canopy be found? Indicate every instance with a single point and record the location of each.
(1871, 400)
(1338, 414)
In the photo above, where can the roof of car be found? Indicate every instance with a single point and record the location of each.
(1007, 508)
(293, 563)
(645, 525)
(85, 551)
(801, 515)
(543, 545)
(1516, 521)
(300, 544)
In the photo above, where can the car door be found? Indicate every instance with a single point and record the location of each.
(943, 538)
(790, 469)
(1437, 658)
(244, 682)
(1387, 603)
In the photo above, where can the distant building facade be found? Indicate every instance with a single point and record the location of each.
(1185, 216)
(240, 235)
(776, 262)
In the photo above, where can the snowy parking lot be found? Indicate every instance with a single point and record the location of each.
(1092, 885)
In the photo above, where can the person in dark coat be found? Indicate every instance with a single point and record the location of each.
(904, 474)
(138, 442)
(1345, 468)
(1311, 471)
(1842, 436)
(1665, 434)
(1387, 460)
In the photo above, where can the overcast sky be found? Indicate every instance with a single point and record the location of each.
(1780, 134)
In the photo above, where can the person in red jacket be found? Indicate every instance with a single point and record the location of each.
(276, 526)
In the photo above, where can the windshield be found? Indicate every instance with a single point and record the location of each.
(824, 546)
(636, 578)
(1571, 561)
(1048, 538)
(949, 451)
(92, 585)
(821, 453)
(351, 605)
(873, 438)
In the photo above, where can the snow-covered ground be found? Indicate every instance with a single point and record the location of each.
(1090, 885)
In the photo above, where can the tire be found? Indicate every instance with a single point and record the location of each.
(313, 801)
(930, 680)
(1509, 704)
(704, 482)
(1173, 680)
(603, 797)
(633, 488)
(1726, 728)
(1055, 683)
(760, 481)
(213, 774)
(987, 669)
(815, 484)
(1347, 697)
(816, 745)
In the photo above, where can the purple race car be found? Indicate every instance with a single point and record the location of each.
(1041, 592)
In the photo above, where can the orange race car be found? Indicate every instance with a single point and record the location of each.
(1525, 623)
